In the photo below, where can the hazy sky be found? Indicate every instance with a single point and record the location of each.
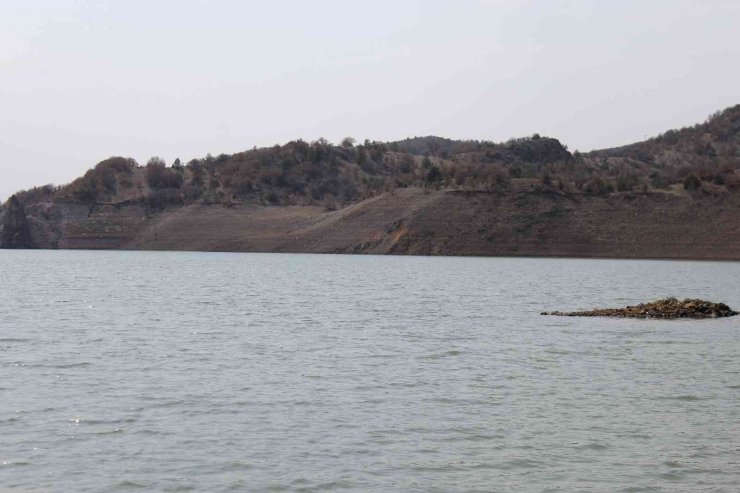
(84, 80)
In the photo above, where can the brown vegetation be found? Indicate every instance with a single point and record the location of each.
(706, 156)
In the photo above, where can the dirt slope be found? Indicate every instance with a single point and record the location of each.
(549, 224)
(414, 221)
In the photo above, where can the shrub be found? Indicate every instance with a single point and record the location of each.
(691, 183)
(160, 198)
(159, 177)
(433, 175)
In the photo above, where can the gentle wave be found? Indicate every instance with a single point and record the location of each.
(229, 372)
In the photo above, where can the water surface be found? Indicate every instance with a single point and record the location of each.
(149, 371)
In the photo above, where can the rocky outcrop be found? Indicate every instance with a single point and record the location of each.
(15, 231)
(666, 308)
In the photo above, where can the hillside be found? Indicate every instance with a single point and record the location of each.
(676, 195)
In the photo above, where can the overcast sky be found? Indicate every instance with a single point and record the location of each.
(84, 80)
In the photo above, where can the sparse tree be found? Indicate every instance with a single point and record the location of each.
(691, 183)
(361, 156)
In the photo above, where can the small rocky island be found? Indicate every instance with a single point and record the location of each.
(665, 308)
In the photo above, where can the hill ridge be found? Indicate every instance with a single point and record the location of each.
(403, 189)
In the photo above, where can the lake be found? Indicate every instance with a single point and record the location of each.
(175, 371)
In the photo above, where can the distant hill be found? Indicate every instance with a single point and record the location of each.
(709, 151)
(522, 196)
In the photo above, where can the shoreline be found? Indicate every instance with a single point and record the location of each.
(370, 254)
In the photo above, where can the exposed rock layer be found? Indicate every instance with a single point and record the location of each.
(519, 222)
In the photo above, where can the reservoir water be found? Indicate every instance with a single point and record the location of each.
(171, 371)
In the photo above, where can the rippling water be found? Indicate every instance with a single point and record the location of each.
(148, 371)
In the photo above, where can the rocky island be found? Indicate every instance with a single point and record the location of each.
(666, 308)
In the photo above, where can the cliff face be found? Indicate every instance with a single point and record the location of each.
(15, 229)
